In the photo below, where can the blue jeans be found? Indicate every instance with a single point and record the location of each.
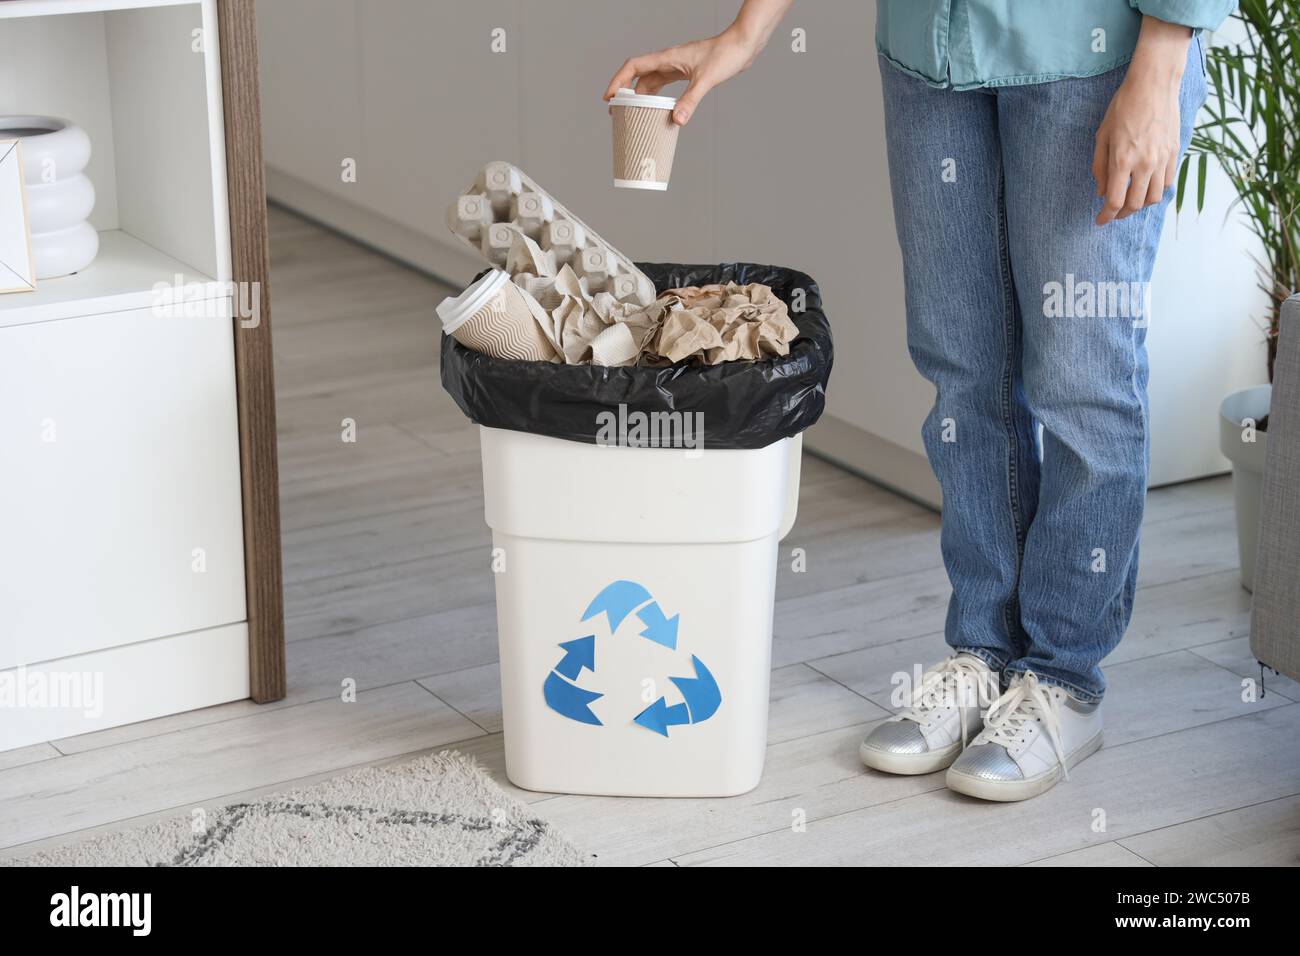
(1030, 321)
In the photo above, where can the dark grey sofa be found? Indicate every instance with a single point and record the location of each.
(1275, 616)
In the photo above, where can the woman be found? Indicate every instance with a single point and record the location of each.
(1032, 150)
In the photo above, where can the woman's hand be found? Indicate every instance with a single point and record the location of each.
(1136, 158)
(705, 63)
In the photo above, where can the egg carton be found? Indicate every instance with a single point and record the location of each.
(504, 202)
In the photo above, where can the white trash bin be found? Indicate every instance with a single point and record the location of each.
(635, 591)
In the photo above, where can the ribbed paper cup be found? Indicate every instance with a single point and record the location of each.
(645, 139)
(492, 317)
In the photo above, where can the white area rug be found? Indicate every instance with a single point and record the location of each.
(439, 810)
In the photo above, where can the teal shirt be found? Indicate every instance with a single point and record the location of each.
(968, 44)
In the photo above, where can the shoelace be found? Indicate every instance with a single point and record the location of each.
(961, 676)
(1023, 703)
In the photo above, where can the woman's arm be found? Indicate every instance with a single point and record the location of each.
(1136, 158)
(704, 63)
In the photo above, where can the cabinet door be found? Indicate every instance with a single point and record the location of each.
(120, 511)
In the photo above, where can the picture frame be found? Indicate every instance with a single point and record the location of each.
(17, 266)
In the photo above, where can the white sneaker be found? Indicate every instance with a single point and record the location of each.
(1033, 734)
(944, 715)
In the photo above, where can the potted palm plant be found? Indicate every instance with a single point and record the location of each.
(1251, 127)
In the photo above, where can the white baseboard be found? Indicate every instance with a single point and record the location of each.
(123, 685)
(448, 262)
(877, 459)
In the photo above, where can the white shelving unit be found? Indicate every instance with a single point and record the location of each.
(123, 276)
(121, 537)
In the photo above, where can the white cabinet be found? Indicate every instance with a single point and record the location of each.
(122, 548)
(120, 497)
(144, 82)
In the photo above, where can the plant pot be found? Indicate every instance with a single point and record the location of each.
(1247, 459)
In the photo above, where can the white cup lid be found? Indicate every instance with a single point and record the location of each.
(455, 310)
(626, 97)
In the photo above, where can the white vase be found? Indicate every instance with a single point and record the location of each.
(59, 196)
(60, 204)
(1236, 415)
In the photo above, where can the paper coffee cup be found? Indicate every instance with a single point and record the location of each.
(645, 139)
(492, 317)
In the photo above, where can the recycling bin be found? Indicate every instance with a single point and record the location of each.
(635, 591)
(635, 583)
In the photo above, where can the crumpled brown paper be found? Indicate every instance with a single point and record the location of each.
(526, 256)
(712, 324)
(722, 323)
(575, 320)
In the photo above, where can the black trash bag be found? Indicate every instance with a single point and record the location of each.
(744, 404)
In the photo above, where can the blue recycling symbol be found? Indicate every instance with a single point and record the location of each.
(701, 697)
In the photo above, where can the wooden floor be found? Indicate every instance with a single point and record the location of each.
(387, 583)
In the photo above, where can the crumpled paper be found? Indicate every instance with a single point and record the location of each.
(581, 326)
(526, 256)
(710, 324)
(722, 323)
